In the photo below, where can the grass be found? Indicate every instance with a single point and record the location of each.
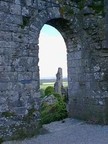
(46, 84)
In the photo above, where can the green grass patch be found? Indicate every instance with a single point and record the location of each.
(45, 85)
(8, 114)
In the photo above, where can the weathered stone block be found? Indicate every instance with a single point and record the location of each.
(3, 107)
(32, 85)
(9, 18)
(15, 9)
(5, 36)
(18, 2)
(25, 76)
(5, 86)
(4, 6)
(25, 11)
(8, 76)
(87, 109)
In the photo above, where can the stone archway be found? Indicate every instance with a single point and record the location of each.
(84, 67)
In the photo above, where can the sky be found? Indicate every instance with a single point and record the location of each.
(52, 52)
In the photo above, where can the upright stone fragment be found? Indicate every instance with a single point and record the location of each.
(59, 82)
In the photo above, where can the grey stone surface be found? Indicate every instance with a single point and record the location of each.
(69, 132)
(49, 100)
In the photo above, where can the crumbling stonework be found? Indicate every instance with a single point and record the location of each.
(59, 82)
(58, 85)
(85, 34)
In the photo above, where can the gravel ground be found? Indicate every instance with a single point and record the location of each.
(69, 131)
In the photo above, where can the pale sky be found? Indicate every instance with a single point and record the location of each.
(52, 52)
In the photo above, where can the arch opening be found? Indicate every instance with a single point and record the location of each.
(53, 59)
(57, 31)
(52, 52)
(52, 56)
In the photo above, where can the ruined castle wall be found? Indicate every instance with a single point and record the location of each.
(87, 58)
(19, 56)
(88, 72)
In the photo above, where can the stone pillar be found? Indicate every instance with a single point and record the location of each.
(59, 82)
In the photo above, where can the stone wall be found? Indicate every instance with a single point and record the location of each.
(87, 58)
(89, 69)
(19, 71)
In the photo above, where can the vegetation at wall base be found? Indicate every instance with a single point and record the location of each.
(1, 140)
(53, 112)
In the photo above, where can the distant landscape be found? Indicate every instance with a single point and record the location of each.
(50, 82)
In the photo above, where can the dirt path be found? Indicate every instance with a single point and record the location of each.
(69, 132)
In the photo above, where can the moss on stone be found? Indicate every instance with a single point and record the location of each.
(25, 22)
(26, 130)
(30, 115)
(8, 114)
(1, 140)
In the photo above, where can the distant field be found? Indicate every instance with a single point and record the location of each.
(46, 84)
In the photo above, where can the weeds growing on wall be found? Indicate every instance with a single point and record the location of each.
(25, 21)
(1, 140)
(8, 114)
